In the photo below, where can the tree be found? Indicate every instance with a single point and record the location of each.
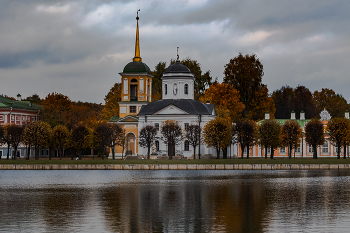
(111, 107)
(217, 133)
(314, 135)
(103, 136)
(157, 81)
(79, 138)
(335, 104)
(37, 134)
(172, 135)
(246, 134)
(2, 133)
(122, 141)
(269, 135)
(226, 100)
(7, 139)
(117, 132)
(261, 104)
(193, 135)
(339, 133)
(88, 114)
(34, 99)
(201, 81)
(244, 73)
(303, 102)
(291, 132)
(56, 106)
(284, 102)
(146, 137)
(15, 134)
(60, 138)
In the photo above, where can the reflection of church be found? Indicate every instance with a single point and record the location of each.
(136, 109)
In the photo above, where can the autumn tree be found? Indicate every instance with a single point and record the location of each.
(7, 139)
(245, 73)
(79, 138)
(111, 107)
(56, 106)
(201, 81)
(314, 135)
(303, 101)
(261, 104)
(117, 132)
(2, 133)
(335, 104)
(268, 135)
(193, 135)
(146, 137)
(15, 134)
(37, 135)
(157, 81)
(226, 100)
(122, 141)
(217, 133)
(172, 135)
(246, 134)
(34, 99)
(291, 132)
(88, 114)
(339, 131)
(103, 136)
(60, 138)
(284, 102)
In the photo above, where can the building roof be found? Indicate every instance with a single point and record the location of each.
(177, 67)
(137, 67)
(192, 107)
(302, 123)
(15, 104)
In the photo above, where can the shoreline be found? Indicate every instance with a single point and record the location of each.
(174, 166)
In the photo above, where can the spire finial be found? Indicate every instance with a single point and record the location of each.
(137, 57)
(177, 54)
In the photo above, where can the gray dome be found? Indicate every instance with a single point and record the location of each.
(177, 67)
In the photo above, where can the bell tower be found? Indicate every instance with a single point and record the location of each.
(136, 82)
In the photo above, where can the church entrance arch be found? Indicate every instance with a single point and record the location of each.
(130, 144)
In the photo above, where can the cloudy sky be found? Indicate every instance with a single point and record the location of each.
(77, 48)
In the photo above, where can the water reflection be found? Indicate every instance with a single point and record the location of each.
(174, 201)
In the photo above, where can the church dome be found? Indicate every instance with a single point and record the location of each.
(136, 67)
(177, 67)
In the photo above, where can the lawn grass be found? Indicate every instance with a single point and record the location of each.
(197, 161)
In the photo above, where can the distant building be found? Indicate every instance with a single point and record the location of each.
(17, 112)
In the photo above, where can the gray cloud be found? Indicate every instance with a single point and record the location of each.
(78, 48)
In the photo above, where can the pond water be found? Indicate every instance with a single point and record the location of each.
(174, 201)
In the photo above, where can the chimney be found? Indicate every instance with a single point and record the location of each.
(19, 97)
(347, 114)
(302, 115)
(292, 115)
(267, 115)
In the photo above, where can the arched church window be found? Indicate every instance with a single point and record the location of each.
(186, 89)
(166, 89)
(133, 80)
(187, 146)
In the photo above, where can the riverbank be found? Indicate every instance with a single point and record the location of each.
(174, 167)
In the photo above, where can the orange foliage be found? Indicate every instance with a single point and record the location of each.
(262, 103)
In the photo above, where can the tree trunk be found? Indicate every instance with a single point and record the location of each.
(81, 153)
(338, 152)
(36, 153)
(315, 152)
(14, 157)
(8, 150)
(194, 153)
(113, 150)
(103, 152)
(217, 153)
(345, 152)
(224, 153)
(28, 152)
(50, 153)
(247, 152)
(265, 152)
(242, 151)
(148, 152)
(290, 151)
(272, 151)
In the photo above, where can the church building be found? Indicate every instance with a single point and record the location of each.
(137, 110)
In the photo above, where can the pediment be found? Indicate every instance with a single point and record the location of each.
(171, 110)
(129, 118)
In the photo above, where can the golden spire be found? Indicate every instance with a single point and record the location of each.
(137, 57)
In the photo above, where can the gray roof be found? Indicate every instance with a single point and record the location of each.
(177, 67)
(193, 107)
(136, 67)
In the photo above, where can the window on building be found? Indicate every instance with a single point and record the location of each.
(310, 149)
(186, 89)
(245, 150)
(336, 149)
(282, 150)
(187, 145)
(132, 109)
(156, 125)
(157, 145)
(298, 149)
(166, 88)
(186, 126)
(325, 147)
